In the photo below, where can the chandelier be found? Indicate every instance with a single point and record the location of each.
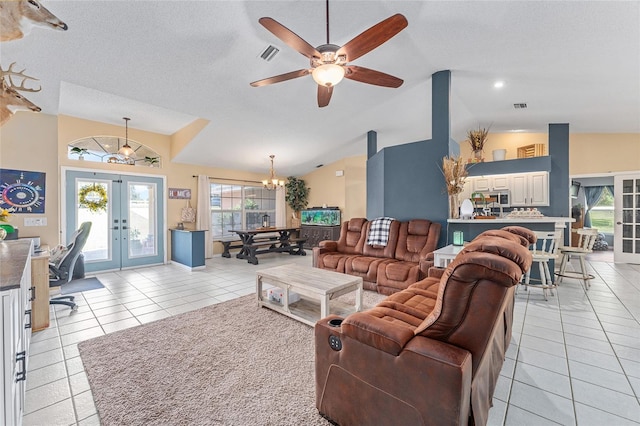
(273, 182)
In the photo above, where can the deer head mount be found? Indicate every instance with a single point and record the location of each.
(18, 16)
(11, 96)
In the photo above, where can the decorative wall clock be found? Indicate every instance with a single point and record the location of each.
(22, 191)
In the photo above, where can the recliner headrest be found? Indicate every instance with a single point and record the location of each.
(418, 227)
(356, 224)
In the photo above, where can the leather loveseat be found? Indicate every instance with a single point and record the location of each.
(405, 258)
(430, 354)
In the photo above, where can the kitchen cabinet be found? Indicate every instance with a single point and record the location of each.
(491, 183)
(530, 189)
(15, 316)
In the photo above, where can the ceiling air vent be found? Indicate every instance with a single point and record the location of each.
(268, 53)
(520, 106)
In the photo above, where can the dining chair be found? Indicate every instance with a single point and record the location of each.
(586, 239)
(543, 250)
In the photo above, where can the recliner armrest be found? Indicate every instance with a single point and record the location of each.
(376, 332)
(424, 265)
(328, 245)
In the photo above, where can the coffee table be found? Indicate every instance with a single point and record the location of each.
(316, 287)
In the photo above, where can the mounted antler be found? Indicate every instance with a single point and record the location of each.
(10, 72)
(10, 95)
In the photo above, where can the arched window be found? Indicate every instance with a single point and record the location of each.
(104, 149)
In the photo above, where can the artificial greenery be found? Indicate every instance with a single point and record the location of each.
(79, 151)
(93, 197)
(297, 196)
(151, 160)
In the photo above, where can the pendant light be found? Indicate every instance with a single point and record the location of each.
(126, 151)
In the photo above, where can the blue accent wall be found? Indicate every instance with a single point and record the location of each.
(372, 143)
(375, 185)
(405, 181)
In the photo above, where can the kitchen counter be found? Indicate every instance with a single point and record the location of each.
(13, 256)
(510, 220)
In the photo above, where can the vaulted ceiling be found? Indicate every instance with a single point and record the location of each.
(167, 63)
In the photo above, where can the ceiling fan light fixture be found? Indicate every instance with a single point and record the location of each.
(328, 75)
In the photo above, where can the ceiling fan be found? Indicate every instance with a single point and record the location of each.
(329, 63)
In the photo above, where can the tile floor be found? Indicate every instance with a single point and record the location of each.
(573, 360)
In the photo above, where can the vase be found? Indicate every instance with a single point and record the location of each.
(3, 234)
(477, 154)
(454, 206)
(499, 154)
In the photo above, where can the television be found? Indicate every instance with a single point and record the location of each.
(321, 216)
(575, 187)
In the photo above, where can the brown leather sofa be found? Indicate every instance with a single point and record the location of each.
(430, 354)
(387, 269)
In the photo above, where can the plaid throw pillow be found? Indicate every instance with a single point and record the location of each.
(379, 231)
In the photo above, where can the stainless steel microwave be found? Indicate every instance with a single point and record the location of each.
(500, 198)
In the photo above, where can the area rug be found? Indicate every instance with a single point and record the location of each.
(84, 284)
(232, 363)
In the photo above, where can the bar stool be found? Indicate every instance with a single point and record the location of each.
(586, 239)
(544, 250)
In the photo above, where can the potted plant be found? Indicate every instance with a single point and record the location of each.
(79, 151)
(297, 196)
(151, 160)
(477, 139)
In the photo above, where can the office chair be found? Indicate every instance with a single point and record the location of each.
(62, 270)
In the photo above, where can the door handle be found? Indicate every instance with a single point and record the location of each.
(618, 223)
(125, 227)
(115, 227)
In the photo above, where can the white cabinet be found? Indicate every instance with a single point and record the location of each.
(491, 183)
(15, 294)
(530, 189)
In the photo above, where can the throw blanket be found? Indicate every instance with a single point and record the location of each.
(379, 231)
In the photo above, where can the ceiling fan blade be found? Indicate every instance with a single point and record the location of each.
(289, 37)
(369, 76)
(373, 37)
(324, 95)
(281, 77)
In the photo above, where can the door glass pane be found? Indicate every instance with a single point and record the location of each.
(627, 246)
(627, 201)
(627, 216)
(143, 240)
(637, 185)
(97, 247)
(627, 186)
(627, 231)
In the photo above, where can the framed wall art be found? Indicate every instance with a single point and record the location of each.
(180, 193)
(22, 191)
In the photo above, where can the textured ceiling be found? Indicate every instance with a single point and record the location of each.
(166, 63)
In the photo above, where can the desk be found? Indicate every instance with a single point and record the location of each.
(274, 244)
(443, 256)
(40, 283)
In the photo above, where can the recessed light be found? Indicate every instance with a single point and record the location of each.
(498, 84)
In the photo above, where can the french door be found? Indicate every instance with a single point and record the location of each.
(126, 213)
(626, 247)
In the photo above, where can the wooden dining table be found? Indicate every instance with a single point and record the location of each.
(268, 240)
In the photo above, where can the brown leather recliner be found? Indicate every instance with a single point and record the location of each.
(332, 255)
(417, 240)
(410, 246)
(430, 354)
(366, 266)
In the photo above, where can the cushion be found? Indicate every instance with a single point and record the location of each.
(57, 253)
